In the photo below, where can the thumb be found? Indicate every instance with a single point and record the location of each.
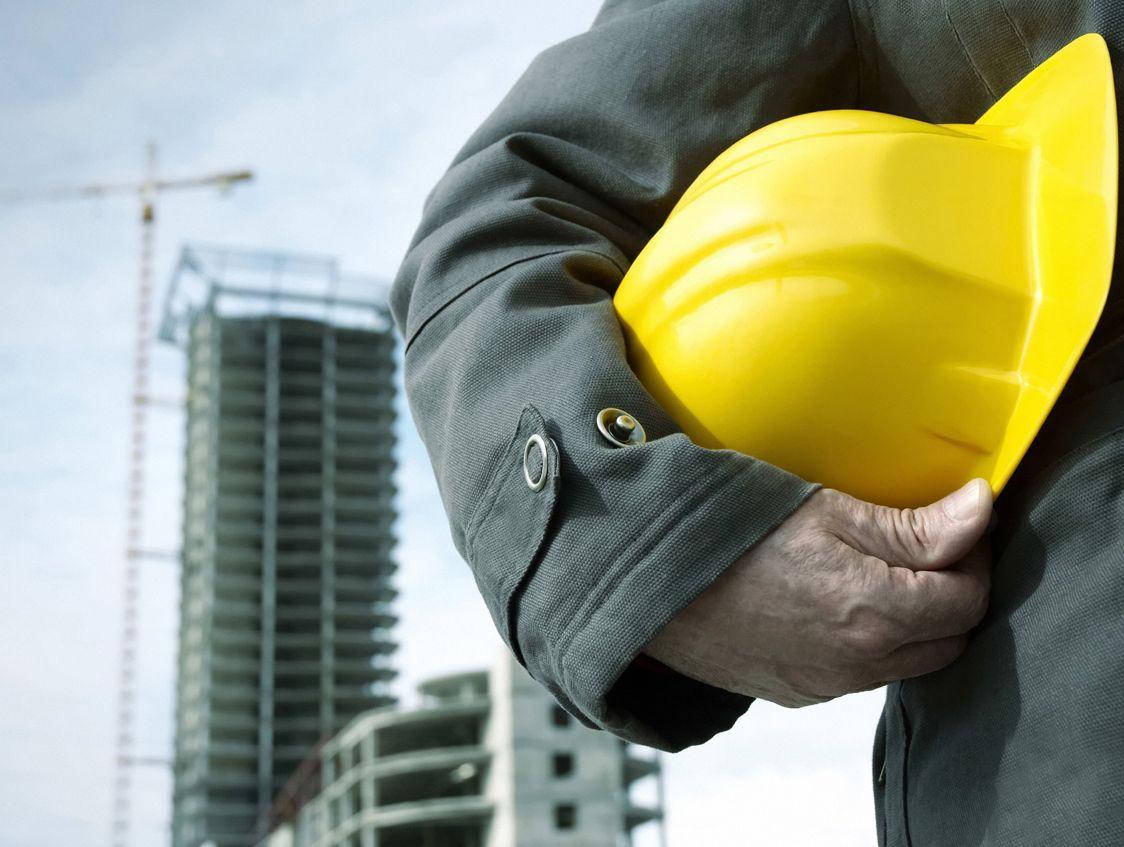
(928, 538)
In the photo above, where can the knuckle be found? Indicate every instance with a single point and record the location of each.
(867, 638)
(978, 602)
(956, 646)
(943, 656)
(862, 630)
(968, 607)
(872, 565)
(911, 530)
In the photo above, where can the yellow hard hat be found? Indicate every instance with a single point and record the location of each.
(882, 305)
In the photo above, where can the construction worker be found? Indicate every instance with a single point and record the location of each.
(656, 586)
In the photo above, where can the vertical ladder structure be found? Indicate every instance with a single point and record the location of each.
(147, 190)
(124, 755)
(134, 518)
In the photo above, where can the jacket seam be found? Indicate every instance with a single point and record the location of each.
(491, 494)
(858, 53)
(434, 311)
(874, 64)
(491, 491)
(967, 54)
(1017, 30)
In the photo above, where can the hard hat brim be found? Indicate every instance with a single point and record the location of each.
(1065, 110)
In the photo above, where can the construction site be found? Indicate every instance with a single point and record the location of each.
(287, 729)
(287, 726)
(254, 371)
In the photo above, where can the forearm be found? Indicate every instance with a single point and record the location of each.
(580, 574)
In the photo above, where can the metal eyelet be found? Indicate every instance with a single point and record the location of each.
(620, 428)
(535, 484)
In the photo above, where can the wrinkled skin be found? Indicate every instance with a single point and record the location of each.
(843, 596)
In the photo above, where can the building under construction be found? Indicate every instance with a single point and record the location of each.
(285, 615)
(487, 759)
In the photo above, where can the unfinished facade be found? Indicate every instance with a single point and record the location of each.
(285, 616)
(488, 759)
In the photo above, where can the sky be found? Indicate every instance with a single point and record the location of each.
(347, 112)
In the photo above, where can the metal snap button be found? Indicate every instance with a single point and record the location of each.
(535, 441)
(620, 428)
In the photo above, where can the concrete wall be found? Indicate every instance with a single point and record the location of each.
(594, 789)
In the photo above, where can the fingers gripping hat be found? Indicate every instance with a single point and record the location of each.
(883, 305)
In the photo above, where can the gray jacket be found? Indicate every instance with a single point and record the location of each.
(504, 301)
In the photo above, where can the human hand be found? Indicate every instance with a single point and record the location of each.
(843, 596)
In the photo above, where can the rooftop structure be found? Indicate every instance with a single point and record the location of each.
(285, 615)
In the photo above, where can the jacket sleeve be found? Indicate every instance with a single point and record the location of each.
(582, 550)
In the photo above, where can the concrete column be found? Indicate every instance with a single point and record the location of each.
(210, 545)
(327, 533)
(271, 445)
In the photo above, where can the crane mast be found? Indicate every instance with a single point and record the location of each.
(147, 191)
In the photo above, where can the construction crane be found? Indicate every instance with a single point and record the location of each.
(147, 191)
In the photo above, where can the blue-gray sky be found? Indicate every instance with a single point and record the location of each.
(348, 112)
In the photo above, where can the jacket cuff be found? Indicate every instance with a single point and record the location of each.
(715, 518)
(676, 708)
